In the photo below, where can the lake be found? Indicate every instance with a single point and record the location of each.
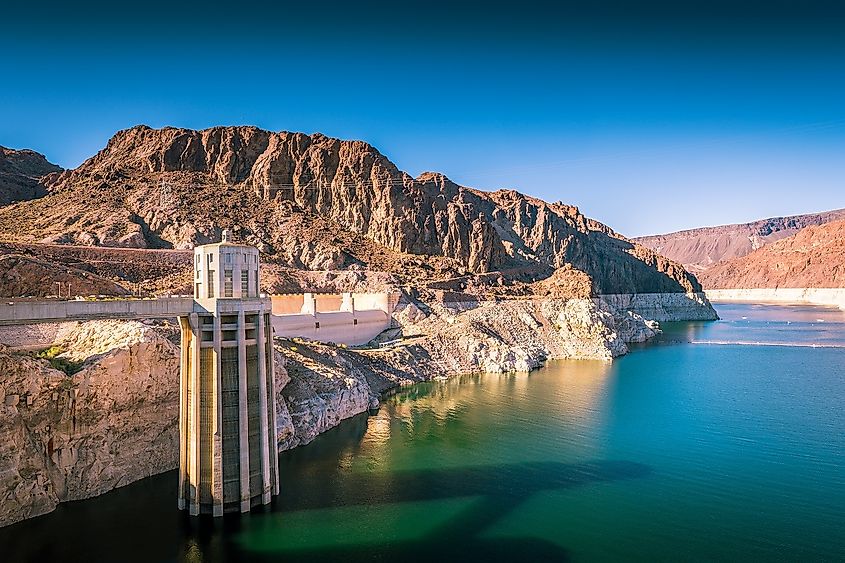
(717, 441)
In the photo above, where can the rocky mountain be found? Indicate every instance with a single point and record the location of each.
(699, 249)
(813, 258)
(314, 202)
(21, 172)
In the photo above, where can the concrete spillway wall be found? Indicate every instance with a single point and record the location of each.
(833, 297)
(348, 318)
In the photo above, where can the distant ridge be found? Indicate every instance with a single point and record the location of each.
(702, 248)
(812, 258)
(21, 172)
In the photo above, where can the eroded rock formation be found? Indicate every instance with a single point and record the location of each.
(68, 437)
(314, 202)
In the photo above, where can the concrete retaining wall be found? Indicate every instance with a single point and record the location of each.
(348, 318)
(339, 327)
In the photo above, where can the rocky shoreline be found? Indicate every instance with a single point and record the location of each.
(74, 436)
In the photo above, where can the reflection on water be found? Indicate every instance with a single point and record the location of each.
(680, 450)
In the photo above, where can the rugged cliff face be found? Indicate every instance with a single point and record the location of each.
(314, 202)
(68, 437)
(21, 173)
(813, 258)
(699, 249)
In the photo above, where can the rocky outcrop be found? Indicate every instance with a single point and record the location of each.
(663, 307)
(21, 173)
(519, 335)
(700, 249)
(319, 396)
(813, 258)
(69, 437)
(320, 203)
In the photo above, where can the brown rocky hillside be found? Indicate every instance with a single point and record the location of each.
(815, 257)
(25, 276)
(21, 172)
(317, 203)
(699, 249)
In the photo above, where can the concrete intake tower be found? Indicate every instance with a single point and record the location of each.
(228, 456)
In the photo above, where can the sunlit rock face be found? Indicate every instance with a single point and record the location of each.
(69, 437)
(323, 203)
(517, 335)
(701, 249)
(812, 258)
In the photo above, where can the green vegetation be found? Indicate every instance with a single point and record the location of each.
(52, 353)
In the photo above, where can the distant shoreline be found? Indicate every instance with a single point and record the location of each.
(831, 297)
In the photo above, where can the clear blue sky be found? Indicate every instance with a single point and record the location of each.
(650, 116)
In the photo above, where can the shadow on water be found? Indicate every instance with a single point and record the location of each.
(140, 522)
(497, 490)
(513, 481)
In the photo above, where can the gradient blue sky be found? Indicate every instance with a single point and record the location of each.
(650, 116)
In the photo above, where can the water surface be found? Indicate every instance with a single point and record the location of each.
(719, 441)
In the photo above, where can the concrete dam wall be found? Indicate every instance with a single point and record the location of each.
(348, 318)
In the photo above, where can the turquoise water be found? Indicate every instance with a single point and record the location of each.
(690, 448)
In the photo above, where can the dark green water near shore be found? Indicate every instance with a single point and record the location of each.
(719, 441)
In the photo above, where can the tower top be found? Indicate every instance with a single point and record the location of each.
(226, 269)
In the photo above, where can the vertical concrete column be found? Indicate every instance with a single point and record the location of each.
(348, 303)
(257, 272)
(309, 304)
(194, 426)
(261, 343)
(274, 442)
(184, 378)
(218, 272)
(237, 268)
(217, 424)
(243, 412)
(383, 302)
